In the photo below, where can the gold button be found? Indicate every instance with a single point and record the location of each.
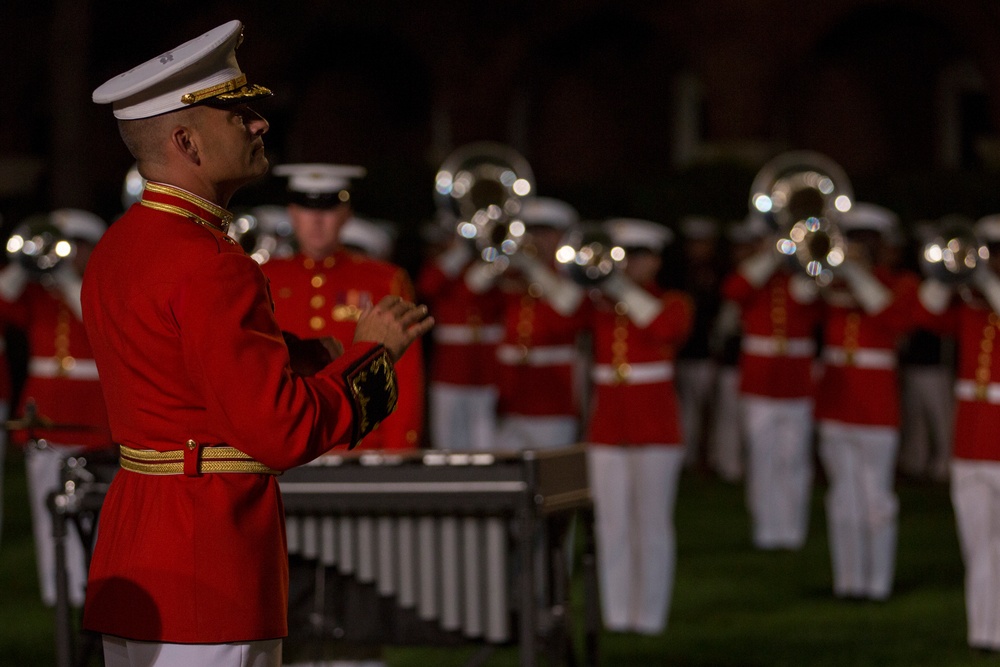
(535, 290)
(317, 301)
(284, 292)
(329, 262)
(67, 363)
(308, 263)
(317, 280)
(316, 323)
(192, 444)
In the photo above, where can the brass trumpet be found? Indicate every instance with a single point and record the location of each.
(802, 193)
(482, 185)
(952, 254)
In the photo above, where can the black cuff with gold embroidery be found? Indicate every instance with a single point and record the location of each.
(372, 383)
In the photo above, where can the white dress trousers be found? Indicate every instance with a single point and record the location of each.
(861, 507)
(120, 652)
(635, 490)
(725, 439)
(520, 432)
(462, 417)
(779, 469)
(975, 495)
(695, 384)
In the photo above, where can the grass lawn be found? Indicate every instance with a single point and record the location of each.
(732, 606)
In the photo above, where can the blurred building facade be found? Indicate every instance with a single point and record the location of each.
(642, 108)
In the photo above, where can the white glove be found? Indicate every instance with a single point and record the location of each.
(803, 289)
(871, 295)
(934, 295)
(453, 260)
(481, 276)
(758, 267)
(642, 306)
(988, 283)
(562, 293)
(13, 279)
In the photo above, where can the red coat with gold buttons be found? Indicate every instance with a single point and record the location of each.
(187, 346)
(324, 298)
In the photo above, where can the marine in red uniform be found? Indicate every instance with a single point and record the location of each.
(190, 566)
(857, 407)
(61, 384)
(779, 315)
(462, 389)
(321, 290)
(635, 451)
(973, 322)
(539, 404)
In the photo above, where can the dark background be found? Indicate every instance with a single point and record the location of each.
(650, 109)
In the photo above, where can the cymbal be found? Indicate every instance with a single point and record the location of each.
(36, 422)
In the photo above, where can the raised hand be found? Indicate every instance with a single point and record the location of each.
(393, 322)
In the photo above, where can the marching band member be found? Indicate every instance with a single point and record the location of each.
(322, 289)
(779, 314)
(539, 405)
(462, 390)
(857, 406)
(61, 384)
(190, 566)
(635, 454)
(973, 322)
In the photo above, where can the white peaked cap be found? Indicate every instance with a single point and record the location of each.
(548, 212)
(319, 179)
(988, 229)
(370, 237)
(635, 233)
(202, 69)
(863, 215)
(76, 223)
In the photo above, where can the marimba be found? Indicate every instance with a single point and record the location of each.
(440, 547)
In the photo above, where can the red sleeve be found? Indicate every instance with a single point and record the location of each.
(737, 288)
(673, 324)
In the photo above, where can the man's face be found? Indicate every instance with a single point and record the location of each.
(231, 144)
(317, 230)
(642, 265)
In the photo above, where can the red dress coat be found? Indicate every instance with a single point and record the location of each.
(859, 384)
(974, 326)
(185, 339)
(324, 298)
(778, 346)
(467, 328)
(634, 400)
(62, 376)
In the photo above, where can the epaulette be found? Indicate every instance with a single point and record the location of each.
(372, 383)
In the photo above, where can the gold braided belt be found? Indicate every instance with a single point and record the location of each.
(193, 460)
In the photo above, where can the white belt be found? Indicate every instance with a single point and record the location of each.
(969, 390)
(646, 372)
(770, 346)
(464, 334)
(68, 367)
(544, 355)
(864, 357)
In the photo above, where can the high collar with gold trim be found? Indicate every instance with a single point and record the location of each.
(171, 199)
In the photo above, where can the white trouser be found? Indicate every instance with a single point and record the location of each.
(634, 490)
(975, 494)
(462, 417)
(120, 652)
(522, 432)
(927, 405)
(44, 475)
(779, 469)
(726, 437)
(695, 383)
(861, 507)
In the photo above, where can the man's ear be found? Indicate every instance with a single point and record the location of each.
(184, 142)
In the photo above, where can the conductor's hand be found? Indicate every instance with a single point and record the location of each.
(394, 323)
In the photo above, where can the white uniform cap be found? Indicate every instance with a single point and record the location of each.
(699, 228)
(320, 185)
(548, 212)
(988, 229)
(202, 69)
(635, 233)
(863, 215)
(370, 238)
(76, 223)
